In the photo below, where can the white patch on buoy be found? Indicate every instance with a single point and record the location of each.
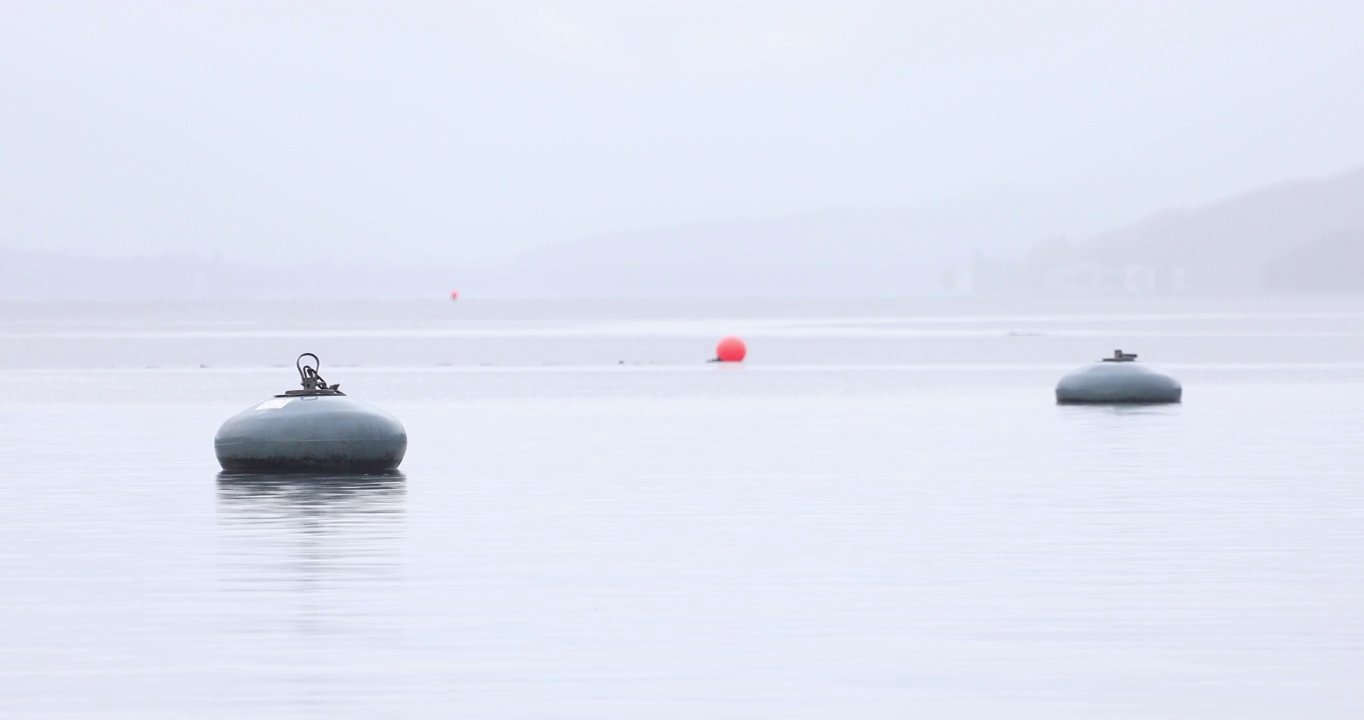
(274, 403)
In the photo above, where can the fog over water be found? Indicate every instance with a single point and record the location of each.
(522, 149)
(521, 228)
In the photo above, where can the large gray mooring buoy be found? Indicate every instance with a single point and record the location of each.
(1117, 380)
(315, 429)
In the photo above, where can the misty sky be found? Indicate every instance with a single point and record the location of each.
(468, 132)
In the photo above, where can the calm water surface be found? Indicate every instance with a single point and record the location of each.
(882, 515)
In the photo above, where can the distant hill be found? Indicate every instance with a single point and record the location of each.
(837, 253)
(42, 276)
(1296, 237)
(1333, 263)
(1279, 238)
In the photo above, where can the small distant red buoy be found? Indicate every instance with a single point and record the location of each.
(454, 294)
(731, 349)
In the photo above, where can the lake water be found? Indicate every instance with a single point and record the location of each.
(883, 514)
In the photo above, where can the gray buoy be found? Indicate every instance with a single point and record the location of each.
(314, 429)
(1117, 380)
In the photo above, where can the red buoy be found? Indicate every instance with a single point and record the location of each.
(454, 294)
(731, 349)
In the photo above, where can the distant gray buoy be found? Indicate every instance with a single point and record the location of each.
(315, 429)
(1117, 380)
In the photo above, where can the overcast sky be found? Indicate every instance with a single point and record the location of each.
(467, 132)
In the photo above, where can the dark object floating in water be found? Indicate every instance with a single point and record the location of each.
(1118, 380)
(317, 428)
